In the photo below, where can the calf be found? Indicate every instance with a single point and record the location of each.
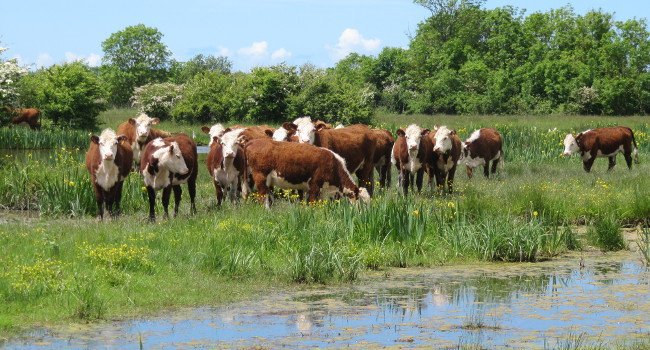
(29, 116)
(446, 152)
(603, 142)
(166, 164)
(384, 146)
(108, 161)
(291, 165)
(410, 153)
(226, 164)
(139, 133)
(482, 147)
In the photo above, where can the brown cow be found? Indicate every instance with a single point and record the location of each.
(226, 163)
(166, 164)
(603, 142)
(384, 141)
(139, 133)
(446, 152)
(482, 147)
(409, 154)
(108, 161)
(291, 165)
(29, 116)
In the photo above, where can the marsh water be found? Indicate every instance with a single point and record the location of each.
(591, 299)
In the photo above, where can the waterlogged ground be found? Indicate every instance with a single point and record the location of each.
(582, 299)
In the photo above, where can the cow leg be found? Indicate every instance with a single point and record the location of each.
(404, 181)
(628, 159)
(110, 201)
(177, 198)
(219, 193)
(152, 203)
(388, 174)
(612, 162)
(587, 164)
(264, 193)
(450, 179)
(486, 169)
(469, 171)
(314, 191)
(495, 164)
(191, 188)
(166, 193)
(419, 178)
(440, 181)
(411, 179)
(118, 197)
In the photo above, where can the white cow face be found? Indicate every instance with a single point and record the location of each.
(216, 130)
(170, 157)
(285, 132)
(107, 142)
(570, 145)
(230, 143)
(306, 133)
(443, 140)
(142, 126)
(413, 135)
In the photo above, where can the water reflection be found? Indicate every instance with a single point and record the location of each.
(515, 305)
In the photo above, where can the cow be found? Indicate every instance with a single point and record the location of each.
(409, 155)
(29, 116)
(602, 142)
(287, 132)
(226, 164)
(482, 147)
(355, 143)
(384, 141)
(214, 131)
(166, 164)
(108, 160)
(444, 158)
(290, 165)
(139, 132)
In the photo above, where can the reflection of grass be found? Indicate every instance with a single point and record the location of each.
(477, 320)
(644, 242)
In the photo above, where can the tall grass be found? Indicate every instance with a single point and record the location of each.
(25, 138)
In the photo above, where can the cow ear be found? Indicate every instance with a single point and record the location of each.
(289, 126)
(268, 132)
(131, 121)
(227, 130)
(94, 139)
(205, 129)
(155, 121)
(320, 126)
(121, 138)
(435, 127)
(401, 132)
(425, 132)
(453, 132)
(216, 140)
(171, 148)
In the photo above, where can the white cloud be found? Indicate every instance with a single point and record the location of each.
(92, 60)
(350, 41)
(224, 51)
(44, 60)
(257, 49)
(280, 54)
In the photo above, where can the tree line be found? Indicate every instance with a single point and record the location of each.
(463, 59)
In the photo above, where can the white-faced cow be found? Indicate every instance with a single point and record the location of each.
(291, 165)
(108, 160)
(410, 153)
(226, 164)
(482, 147)
(166, 164)
(602, 142)
(287, 132)
(139, 132)
(446, 152)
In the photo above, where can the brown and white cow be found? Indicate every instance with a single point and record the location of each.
(299, 166)
(482, 147)
(139, 132)
(410, 153)
(108, 160)
(226, 164)
(384, 141)
(29, 116)
(603, 142)
(166, 164)
(446, 152)
(288, 130)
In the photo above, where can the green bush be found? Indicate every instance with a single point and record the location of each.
(156, 100)
(208, 97)
(70, 95)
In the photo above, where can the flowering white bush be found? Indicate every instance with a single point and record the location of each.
(10, 72)
(156, 100)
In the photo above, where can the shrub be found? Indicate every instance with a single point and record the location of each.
(156, 100)
(605, 233)
(208, 97)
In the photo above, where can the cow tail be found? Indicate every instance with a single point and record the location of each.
(635, 151)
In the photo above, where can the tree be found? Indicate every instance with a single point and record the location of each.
(181, 72)
(133, 57)
(70, 95)
(10, 74)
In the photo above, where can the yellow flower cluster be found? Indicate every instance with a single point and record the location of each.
(42, 277)
(120, 256)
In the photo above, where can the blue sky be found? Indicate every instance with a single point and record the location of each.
(249, 32)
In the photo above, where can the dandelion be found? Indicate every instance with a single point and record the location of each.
(416, 213)
(451, 205)
(71, 183)
(535, 213)
(143, 189)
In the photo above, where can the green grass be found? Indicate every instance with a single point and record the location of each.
(64, 265)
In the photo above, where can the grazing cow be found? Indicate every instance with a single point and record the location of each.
(291, 165)
(446, 152)
(166, 164)
(602, 142)
(384, 146)
(410, 153)
(108, 161)
(482, 147)
(29, 116)
(226, 164)
(139, 132)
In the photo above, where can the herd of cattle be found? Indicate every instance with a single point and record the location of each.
(307, 156)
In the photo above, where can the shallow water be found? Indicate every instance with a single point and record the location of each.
(496, 305)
